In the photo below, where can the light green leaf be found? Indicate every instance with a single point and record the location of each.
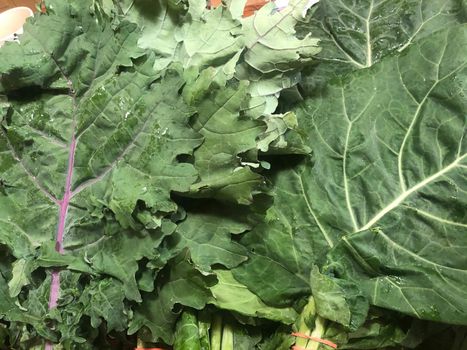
(338, 300)
(187, 335)
(263, 48)
(282, 135)
(21, 271)
(274, 55)
(231, 295)
(160, 23)
(207, 36)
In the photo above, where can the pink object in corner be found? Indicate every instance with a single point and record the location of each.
(12, 21)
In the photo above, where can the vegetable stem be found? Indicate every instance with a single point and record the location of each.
(227, 337)
(306, 318)
(312, 325)
(216, 333)
(318, 332)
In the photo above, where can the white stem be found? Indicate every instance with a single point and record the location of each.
(318, 332)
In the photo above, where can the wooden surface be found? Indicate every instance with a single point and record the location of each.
(7, 4)
(250, 7)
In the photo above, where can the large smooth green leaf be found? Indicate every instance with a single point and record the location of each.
(338, 300)
(378, 332)
(394, 148)
(286, 243)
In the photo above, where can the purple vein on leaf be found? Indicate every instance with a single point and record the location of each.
(64, 203)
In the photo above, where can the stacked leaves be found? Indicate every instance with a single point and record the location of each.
(149, 191)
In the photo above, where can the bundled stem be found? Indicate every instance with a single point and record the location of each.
(216, 333)
(308, 318)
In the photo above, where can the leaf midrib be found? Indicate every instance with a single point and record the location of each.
(401, 198)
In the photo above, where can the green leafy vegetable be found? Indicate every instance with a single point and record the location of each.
(383, 195)
(179, 176)
(355, 35)
(393, 157)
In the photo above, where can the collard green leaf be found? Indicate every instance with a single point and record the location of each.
(286, 243)
(357, 34)
(280, 340)
(392, 139)
(338, 300)
(244, 338)
(454, 337)
(378, 332)
(229, 294)
(187, 335)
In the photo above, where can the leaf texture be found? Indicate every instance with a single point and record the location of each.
(384, 193)
(357, 34)
(89, 154)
